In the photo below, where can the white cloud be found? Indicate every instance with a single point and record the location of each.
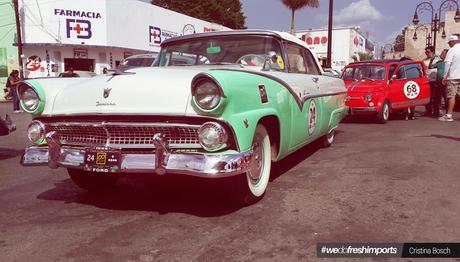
(358, 13)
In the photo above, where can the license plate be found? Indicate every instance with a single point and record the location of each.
(102, 160)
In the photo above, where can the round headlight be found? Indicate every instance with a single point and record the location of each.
(212, 136)
(30, 99)
(207, 95)
(368, 97)
(36, 132)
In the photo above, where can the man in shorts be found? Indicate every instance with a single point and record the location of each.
(451, 76)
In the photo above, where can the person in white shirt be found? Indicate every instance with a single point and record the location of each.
(451, 76)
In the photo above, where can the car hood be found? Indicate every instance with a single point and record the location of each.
(365, 86)
(138, 91)
(146, 90)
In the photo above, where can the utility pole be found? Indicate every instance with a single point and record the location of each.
(19, 37)
(329, 34)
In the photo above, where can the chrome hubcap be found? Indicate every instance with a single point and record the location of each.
(330, 136)
(385, 111)
(256, 165)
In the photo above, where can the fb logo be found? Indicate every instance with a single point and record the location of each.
(154, 34)
(81, 27)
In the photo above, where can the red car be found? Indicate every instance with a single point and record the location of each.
(381, 87)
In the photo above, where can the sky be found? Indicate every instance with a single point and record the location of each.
(383, 19)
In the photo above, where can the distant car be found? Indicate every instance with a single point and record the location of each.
(331, 72)
(78, 73)
(213, 105)
(384, 86)
(141, 60)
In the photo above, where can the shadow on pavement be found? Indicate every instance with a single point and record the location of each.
(6, 153)
(283, 166)
(172, 193)
(444, 137)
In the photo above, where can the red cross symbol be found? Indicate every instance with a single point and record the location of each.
(78, 28)
(154, 34)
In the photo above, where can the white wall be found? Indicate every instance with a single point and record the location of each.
(34, 69)
(127, 24)
(133, 24)
(346, 42)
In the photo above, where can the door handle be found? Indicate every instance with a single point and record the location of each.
(315, 79)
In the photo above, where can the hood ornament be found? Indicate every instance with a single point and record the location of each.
(107, 92)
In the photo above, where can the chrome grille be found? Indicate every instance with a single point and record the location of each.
(125, 135)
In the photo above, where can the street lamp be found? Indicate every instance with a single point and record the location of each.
(435, 17)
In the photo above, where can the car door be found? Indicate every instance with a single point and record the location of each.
(409, 86)
(305, 123)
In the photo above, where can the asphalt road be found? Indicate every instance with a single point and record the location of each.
(397, 182)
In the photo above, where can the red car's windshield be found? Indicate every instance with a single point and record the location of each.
(373, 72)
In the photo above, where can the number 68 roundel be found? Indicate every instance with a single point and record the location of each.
(411, 89)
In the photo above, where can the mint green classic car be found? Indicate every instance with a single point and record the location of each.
(213, 105)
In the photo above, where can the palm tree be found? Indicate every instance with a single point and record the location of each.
(298, 4)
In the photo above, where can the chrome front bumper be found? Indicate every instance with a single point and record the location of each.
(162, 161)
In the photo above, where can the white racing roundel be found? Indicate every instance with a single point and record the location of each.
(411, 89)
(312, 117)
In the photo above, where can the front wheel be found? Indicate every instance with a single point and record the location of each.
(384, 114)
(328, 139)
(91, 181)
(252, 184)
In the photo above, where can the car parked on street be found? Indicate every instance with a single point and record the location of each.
(238, 101)
(382, 87)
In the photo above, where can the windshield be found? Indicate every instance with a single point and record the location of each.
(360, 72)
(245, 50)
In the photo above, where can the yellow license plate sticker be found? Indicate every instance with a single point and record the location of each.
(101, 158)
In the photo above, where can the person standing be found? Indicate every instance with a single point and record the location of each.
(441, 88)
(451, 76)
(430, 60)
(12, 83)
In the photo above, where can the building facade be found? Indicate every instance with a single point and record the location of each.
(415, 49)
(91, 35)
(347, 44)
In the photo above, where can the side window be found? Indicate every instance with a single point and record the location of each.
(296, 62)
(413, 71)
(402, 73)
(312, 67)
(392, 71)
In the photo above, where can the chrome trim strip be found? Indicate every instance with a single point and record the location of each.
(117, 124)
(194, 164)
(300, 101)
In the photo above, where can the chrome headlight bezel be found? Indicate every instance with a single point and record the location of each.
(36, 132)
(207, 93)
(212, 136)
(368, 97)
(31, 100)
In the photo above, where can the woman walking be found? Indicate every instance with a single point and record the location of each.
(12, 84)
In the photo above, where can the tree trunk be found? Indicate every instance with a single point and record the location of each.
(292, 22)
